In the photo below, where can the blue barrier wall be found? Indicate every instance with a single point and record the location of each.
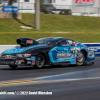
(95, 47)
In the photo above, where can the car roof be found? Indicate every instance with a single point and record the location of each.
(57, 38)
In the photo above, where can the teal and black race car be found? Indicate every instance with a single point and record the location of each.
(47, 51)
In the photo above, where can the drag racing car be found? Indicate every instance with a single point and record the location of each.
(47, 51)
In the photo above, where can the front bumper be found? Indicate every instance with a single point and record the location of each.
(12, 62)
(17, 61)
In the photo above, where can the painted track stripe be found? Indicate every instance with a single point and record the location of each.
(52, 78)
(76, 79)
(67, 74)
(59, 80)
(16, 82)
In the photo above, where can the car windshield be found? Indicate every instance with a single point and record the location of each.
(47, 41)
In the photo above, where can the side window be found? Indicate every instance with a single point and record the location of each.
(58, 44)
(70, 42)
(64, 43)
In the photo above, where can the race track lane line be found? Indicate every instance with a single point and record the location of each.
(66, 74)
(73, 79)
(52, 78)
(16, 82)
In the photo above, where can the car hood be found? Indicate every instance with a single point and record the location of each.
(20, 49)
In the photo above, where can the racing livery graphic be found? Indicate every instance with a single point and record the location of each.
(47, 51)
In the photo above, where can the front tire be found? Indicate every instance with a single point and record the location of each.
(13, 66)
(80, 59)
(40, 61)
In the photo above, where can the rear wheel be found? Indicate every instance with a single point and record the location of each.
(80, 59)
(40, 61)
(13, 66)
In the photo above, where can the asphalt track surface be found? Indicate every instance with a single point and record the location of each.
(65, 83)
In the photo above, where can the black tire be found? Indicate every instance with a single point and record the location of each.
(80, 59)
(93, 63)
(63, 12)
(40, 61)
(13, 66)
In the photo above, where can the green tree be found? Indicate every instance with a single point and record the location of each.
(42, 6)
(0, 1)
(10, 2)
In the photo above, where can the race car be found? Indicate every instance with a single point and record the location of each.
(47, 51)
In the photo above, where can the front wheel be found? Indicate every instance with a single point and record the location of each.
(13, 66)
(40, 61)
(80, 59)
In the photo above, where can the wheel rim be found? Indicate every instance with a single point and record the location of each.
(79, 57)
(40, 61)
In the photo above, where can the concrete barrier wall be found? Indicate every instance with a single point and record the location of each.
(5, 47)
(10, 15)
(93, 46)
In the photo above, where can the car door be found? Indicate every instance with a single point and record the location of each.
(61, 52)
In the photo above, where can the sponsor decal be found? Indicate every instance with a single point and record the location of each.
(64, 55)
(29, 41)
(95, 47)
(91, 56)
(33, 58)
(28, 58)
(84, 2)
(74, 61)
(28, 62)
(33, 62)
(91, 53)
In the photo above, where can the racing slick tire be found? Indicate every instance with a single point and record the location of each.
(93, 63)
(80, 59)
(13, 66)
(40, 61)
